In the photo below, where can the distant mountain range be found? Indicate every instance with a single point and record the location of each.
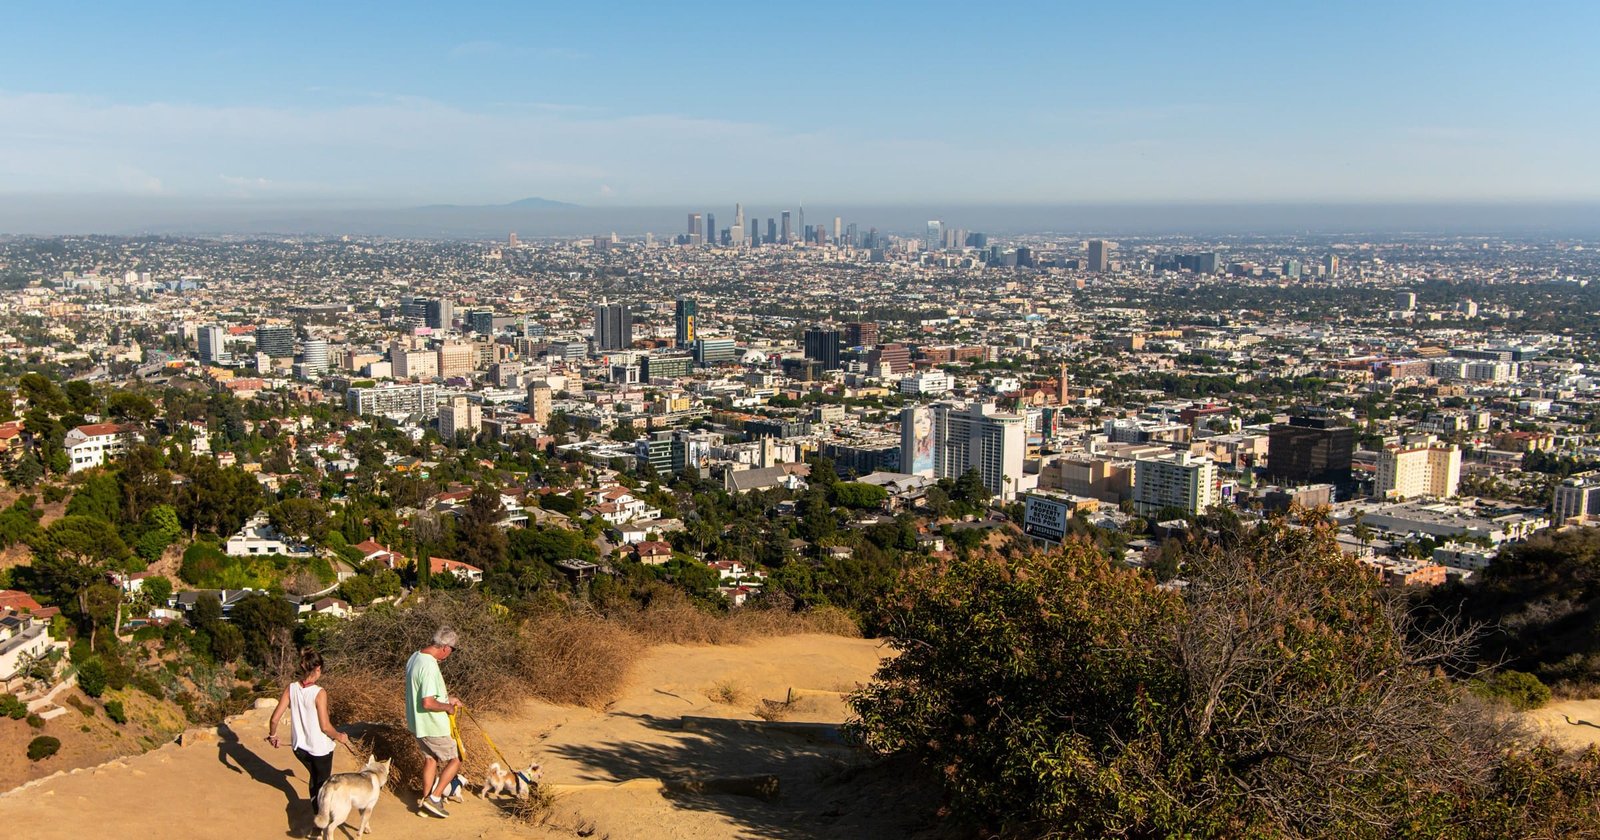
(534, 203)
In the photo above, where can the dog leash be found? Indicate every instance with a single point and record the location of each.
(504, 762)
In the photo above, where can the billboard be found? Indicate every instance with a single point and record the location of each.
(1044, 518)
(916, 441)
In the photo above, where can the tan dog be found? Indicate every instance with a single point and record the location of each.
(515, 783)
(346, 792)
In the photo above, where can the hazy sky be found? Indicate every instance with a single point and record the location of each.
(883, 102)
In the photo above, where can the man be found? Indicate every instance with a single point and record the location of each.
(428, 710)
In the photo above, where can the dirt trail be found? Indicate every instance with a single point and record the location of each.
(1574, 724)
(689, 714)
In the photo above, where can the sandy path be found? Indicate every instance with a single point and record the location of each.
(1574, 724)
(688, 713)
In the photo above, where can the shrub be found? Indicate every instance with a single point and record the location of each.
(92, 676)
(43, 747)
(35, 721)
(83, 708)
(13, 708)
(1520, 690)
(115, 711)
(1279, 694)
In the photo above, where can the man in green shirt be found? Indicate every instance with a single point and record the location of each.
(428, 711)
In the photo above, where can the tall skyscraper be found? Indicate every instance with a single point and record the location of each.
(838, 230)
(613, 326)
(822, 344)
(687, 313)
(738, 214)
(788, 233)
(213, 346)
(802, 218)
(772, 228)
(696, 232)
(1330, 265)
(711, 230)
(935, 236)
(439, 314)
(1099, 255)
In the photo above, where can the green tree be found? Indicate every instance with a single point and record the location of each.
(1279, 694)
(267, 623)
(157, 589)
(305, 520)
(98, 497)
(92, 676)
(74, 552)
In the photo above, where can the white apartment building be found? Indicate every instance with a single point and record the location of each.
(1424, 467)
(926, 383)
(420, 399)
(947, 439)
(92, 445)
(1174, 480)
(1577, 497)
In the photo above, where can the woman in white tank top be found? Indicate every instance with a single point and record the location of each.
(312, 734)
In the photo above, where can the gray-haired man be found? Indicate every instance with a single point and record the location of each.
(428, 710)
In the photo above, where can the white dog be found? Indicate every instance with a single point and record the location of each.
(516, 783)
(346, 792)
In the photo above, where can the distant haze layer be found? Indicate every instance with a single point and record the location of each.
(532, 219)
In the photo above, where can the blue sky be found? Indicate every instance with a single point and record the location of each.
(881, 102)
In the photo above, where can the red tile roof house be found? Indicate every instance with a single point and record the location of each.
(90, 446)
(372, 550)
(463, 571)
(654, 552)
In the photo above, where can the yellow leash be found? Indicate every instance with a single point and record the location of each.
(455, 733)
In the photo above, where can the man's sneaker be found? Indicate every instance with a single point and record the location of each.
(434, 807)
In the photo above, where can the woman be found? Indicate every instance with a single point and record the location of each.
(313, 735)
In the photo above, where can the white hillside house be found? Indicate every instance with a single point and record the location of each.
(93, 445)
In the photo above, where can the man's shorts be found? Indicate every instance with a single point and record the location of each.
(441, 747)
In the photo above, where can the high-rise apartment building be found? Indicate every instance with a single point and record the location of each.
(822, 344)
(275, 341)
(946, 439)
(1405, 301)
(1423, 467)
(1330, 265)
(540, 397)
(314, 354)
(459, 418)
(457, 358)
(861, 333)
(1577, 497)
(213, 345)
(1312, 448)
(688, 312)
(613, 326)
(1177, 480)
(934, 239)
(411, 362)
(421, 400)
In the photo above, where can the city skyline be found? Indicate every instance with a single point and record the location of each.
(1243, 102)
